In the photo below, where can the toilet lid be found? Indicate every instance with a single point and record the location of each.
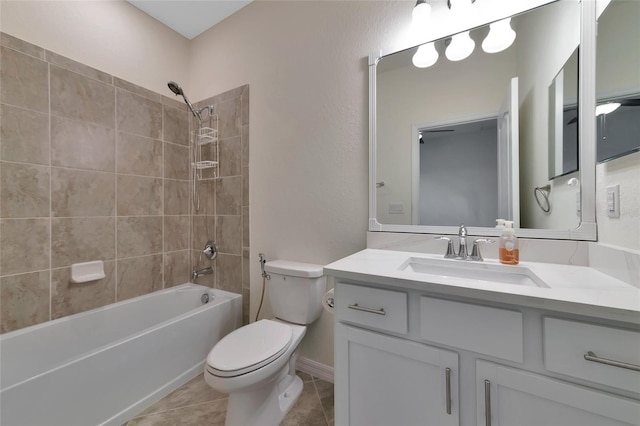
(249, 348)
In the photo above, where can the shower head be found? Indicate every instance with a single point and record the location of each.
(175, 88)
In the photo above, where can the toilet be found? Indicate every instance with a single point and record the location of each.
(256, 364)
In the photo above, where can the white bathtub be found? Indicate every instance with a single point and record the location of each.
(104, 366)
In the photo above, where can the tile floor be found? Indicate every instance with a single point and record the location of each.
(196, 404)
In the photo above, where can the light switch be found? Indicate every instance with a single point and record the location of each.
(396, 208)
(613, 201)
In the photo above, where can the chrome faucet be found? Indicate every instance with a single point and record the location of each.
(463, 253)
(200, 272)
(462, 247)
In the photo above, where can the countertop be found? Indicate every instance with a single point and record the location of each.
(572, 289)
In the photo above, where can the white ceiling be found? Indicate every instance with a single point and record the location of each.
(188, 17)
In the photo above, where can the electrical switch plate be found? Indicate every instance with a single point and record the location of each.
(613, 201)
(396, 208)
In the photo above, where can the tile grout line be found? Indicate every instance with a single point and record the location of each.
(115, 178)
(50, 198)
(179, 408)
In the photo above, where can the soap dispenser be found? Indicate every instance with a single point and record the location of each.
(509, 252)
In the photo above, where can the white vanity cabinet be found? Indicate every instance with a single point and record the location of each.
(406, 356)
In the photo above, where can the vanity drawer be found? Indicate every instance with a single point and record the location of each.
(567, 342)
(482, 329)
(372, 307)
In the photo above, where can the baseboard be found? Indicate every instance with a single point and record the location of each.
(315, 368)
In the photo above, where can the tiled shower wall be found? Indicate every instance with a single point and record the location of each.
(92, 168)
(225, 217)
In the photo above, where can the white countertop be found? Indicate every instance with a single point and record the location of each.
(572, 289)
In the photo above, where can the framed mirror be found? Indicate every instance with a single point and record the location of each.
(618, 80)
(467, 141)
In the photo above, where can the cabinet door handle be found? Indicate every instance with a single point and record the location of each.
(590, 356)
(487, 403)
(356, 307)
(447, 375)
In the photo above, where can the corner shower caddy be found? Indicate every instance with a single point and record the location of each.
(206, 137)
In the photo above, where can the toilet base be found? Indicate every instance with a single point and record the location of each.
(267, 405)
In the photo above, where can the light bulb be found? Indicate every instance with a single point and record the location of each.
(607, 108)
(421, 14)
(500, 36)
(426, 56)
(461, 47)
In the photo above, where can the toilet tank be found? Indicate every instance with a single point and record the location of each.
(295, 290)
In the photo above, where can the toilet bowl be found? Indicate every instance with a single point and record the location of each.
(255, 364)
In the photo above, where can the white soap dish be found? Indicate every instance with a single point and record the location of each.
(87, 271)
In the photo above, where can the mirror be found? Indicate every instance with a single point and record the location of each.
(618, 80)
(483, 123)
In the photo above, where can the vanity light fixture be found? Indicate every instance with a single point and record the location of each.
(500, 36)
(460, 48)
(607, 108)
(426, 56)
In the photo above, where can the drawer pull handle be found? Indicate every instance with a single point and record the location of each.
(487, 403)
(447, 375)
(590, 356)
(356, 307)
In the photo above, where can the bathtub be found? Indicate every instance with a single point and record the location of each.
(104, 366)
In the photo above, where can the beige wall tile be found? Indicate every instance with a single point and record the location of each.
(207, 191)
(24, 135)
(23, 81)
(176, 161)
(176, 125)
(138, 90)
(24, 245)
(71, 65)
(139, 115)
(82, 145)
(176, 268)
(139, 195)
(25, 300)
(229, 195)
(229, 112)
(245, 227)
(246, 274)
(176, 102)
(139, 275)
(244, 99)
(21, 46)
(229, 273)
(176, 233)
(69, 298)
(81, 98)
(231, 156)
(176, 197)
(24, 190)
(204, 229)
(245, 145)
(138, 155)
(229, 234)
(76, 240)
(139, 236)
(245, 186)
(77, 193)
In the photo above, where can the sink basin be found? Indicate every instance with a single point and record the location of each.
(460, 269)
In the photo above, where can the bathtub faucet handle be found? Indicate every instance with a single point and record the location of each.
(210, 250)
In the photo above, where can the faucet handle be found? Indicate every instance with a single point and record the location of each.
(450, 251)
(475, 251)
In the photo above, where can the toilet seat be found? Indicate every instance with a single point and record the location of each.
(249, 348)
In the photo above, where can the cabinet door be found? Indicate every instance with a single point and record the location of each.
(507, 397)
(383, 380)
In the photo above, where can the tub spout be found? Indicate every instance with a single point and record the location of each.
(200, 272)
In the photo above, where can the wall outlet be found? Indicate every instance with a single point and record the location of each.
(613, 201)
(396, 208)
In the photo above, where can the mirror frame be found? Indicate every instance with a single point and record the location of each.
(587, 229)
